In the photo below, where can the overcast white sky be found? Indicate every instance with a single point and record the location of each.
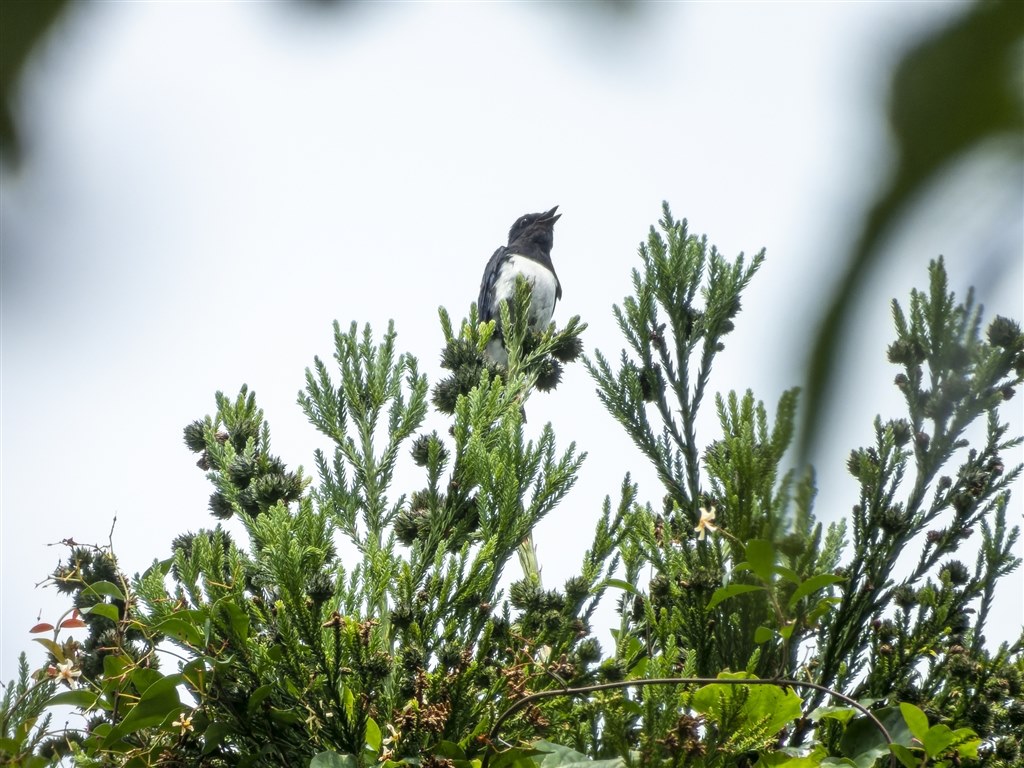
(208, 185)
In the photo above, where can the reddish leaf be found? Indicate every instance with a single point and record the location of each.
(43, 627)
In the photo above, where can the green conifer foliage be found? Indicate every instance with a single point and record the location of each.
(351, 622)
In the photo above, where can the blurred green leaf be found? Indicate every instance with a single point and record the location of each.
(952, 93)
(24, 25)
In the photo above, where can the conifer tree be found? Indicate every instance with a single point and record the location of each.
(358, 623)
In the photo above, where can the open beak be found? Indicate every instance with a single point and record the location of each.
(550, 217)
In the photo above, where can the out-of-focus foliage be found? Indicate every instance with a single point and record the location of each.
(23, 23)
(955, 92)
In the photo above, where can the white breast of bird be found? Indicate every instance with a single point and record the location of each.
(542, 283)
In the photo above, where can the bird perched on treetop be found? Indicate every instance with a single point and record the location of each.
(528, 253)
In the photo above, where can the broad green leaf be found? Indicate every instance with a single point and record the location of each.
(782, 760)
(967, 742)
(471, 738)
(348, 699)
(863, 740)
(143, 677)
(25, 727)
(333, 760)
(760, 556)
(449, 750)
(787, 573)
(214, 735)
(104, 589)
(83, 698)
(106, 610)
(516, 757)
(181, 630)
(625, 586)
(638, 666)
(9, 748)
(724, 593)
(767, 706)
(237, 618)
(158, 704)
(916, 720)
(161, 566)
(842, 714)
(631, 707)
(286, 716)
(114, 666)
(812, 585)
(762, 635)
(195, 673)
(937, 739)
(259, 695)
(904, 755)
(557, 756)
(373, 734)
(822, 607)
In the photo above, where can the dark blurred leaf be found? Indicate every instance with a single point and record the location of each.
(862, 737)
(952, 93)
(23, 23)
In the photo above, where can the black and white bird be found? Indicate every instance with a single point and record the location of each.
(528, 253)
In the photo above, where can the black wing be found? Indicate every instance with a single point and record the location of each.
(486, 305)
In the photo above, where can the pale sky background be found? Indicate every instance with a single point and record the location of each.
(208, 185)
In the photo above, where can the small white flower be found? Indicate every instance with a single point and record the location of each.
(66, 673)
(705, 524)
(388, 744)
(184, 722)
(394, 736)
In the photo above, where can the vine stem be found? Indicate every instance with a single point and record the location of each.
(582, 690)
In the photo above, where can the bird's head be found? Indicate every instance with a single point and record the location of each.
(535, 227)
